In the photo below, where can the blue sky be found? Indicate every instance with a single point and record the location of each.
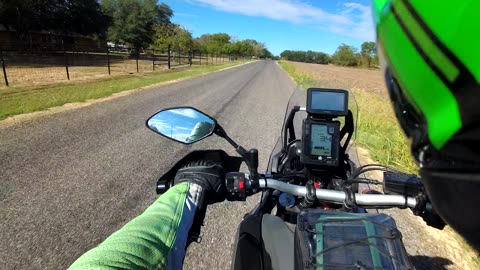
(318, 25)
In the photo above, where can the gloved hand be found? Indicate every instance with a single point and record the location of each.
(206, 174)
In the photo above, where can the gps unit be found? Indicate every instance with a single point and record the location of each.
(327, 102)
(320, 142)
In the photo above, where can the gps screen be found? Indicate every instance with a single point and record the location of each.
(321, 141)
(328, 101)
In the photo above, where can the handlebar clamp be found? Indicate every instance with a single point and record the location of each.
(310, 196)
(349, 197)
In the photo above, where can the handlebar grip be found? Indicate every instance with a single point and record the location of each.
(163, 186)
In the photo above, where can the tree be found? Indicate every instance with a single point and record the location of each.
(216, 43)
(222, 43)
(134, 21)
(324, 58)
(345, 56)
(368, 51)
(256, 46)
(173, 35)
(213, 43)
(81, 17)
(244, 47)
(259, 49)
(306, 56)
(201, 42)
(267, 54)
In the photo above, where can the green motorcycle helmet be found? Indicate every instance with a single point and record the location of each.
(430, 57)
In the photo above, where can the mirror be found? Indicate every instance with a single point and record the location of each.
(185, 124)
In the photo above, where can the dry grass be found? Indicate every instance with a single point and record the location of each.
(330, 76)
(35, 75)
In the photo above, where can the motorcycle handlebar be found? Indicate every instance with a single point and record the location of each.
(378, 200)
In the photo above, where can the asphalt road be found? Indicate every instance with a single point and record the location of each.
(69, 180)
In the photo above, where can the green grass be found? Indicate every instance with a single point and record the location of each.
(379, 132)
(302, 78)
(377, 127)
(14, 101)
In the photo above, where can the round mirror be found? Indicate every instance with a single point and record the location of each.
(186, 125)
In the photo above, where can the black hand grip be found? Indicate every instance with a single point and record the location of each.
(163, 186)
(402, 184)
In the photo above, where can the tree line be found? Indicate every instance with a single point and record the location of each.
(140, 24)
(345, 55)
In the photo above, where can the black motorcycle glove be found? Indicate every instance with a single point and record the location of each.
(210, 177)
(206, 174)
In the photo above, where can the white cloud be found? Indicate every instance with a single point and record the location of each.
(170, 129)
(353, 19)
(186, 112)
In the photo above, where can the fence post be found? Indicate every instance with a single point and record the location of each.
(3, 67)
(66, 63)
(179, 57)
(153, 59)
(169, 55)
(108, 60)
(138, 53)
(200, 58)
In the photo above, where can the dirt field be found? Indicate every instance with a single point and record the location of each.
(429, 248)
(344, 77)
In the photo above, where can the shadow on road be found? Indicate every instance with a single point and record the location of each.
(430, 263)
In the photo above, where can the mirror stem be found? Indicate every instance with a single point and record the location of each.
(221, 132)
(250, 157)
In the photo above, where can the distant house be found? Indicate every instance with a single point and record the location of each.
(44, 39)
